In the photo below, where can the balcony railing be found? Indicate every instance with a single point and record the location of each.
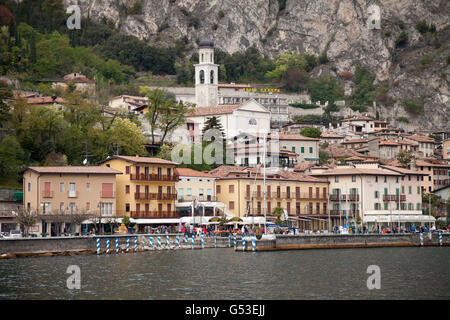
(286, 195)
(47, 194)
(153, 177)
(155, 196)
(107, 195)
(394, 197)
(198, 198)
(344, 197)
(72, 194)
(154, 214)
(342, 212)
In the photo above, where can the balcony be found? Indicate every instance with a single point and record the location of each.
(107, 195)
(393, 197)
(72, 194)
(344, 197)
(47, 194)
(350, 213)
(154, 177)
(153, 214)
(198, 198)
(155, 196)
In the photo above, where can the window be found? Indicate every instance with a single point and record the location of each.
(127, 170)
(29, 186)
(88, 186)
(231, 188)
(61, 207)
(409, 190)
(72, 192)
(353, 178)
(385, 190)
(403, 189)
(385, 179)
(310, 149)
(377, 206)
(61, 187)
(293, 149)
(231, 205)
(302, 149)
(218, 189)
(418, 206)
(386, 206)
(180, 193)
(376, 178)
(200, 192)
(336, 179)
(127, 189)
(377, 194)
(127, 207)
(88, 205)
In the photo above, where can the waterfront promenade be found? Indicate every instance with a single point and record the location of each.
(129, 243)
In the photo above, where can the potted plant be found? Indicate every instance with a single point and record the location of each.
(43, 234)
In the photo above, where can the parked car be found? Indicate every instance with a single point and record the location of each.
(15, 234)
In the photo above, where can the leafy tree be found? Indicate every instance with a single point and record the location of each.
(327, 88)
(323, 157)
(405, 158)
(12, 156)
(128, 135)
(364, 90)
(311, 132)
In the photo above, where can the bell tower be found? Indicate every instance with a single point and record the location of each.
(206, 76)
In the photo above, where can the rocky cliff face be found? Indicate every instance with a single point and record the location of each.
(338, 27)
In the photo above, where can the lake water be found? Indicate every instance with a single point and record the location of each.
(406, 273)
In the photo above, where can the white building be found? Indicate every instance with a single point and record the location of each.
(378, 195)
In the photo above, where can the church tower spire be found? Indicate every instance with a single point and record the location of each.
(206, 76)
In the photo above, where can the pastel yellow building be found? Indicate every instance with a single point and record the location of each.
(56, 193)
(303, 197)
(146, 188)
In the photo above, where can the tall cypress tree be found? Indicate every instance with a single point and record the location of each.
(33, 48)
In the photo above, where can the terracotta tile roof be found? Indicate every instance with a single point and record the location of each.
(357, 171)
(303, 166)
(421, 163)
(331, 135)
(402, 170)
(299, 137)
(211, 111)
(75, 169)
(187, 172)
(141, 160)
(236, 172)
(418, 138)
(355, 141)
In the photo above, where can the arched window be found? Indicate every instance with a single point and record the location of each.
(211, 79)
(202, 76)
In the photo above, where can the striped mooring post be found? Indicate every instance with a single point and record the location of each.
(229, 240)
(128, 243)
(107, 245)
(193, 241)
(243, 243)
(98, 245)
(135, 244)
(150, 242)
(215, 241)
(159, 243)
(186, 239)
(440, 238)
(117, 244)
(421, 239)
(254, 243)
(178, 242)
(234, 240)
(167, 241)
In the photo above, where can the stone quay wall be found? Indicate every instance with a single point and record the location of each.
(290, 242)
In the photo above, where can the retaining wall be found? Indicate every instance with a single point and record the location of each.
(288, 242)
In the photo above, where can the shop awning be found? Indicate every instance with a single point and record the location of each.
(398, 218)
(107, 220)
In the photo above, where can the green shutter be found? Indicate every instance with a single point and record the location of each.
(303, 149)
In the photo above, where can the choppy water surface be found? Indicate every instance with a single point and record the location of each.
(406, 273)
